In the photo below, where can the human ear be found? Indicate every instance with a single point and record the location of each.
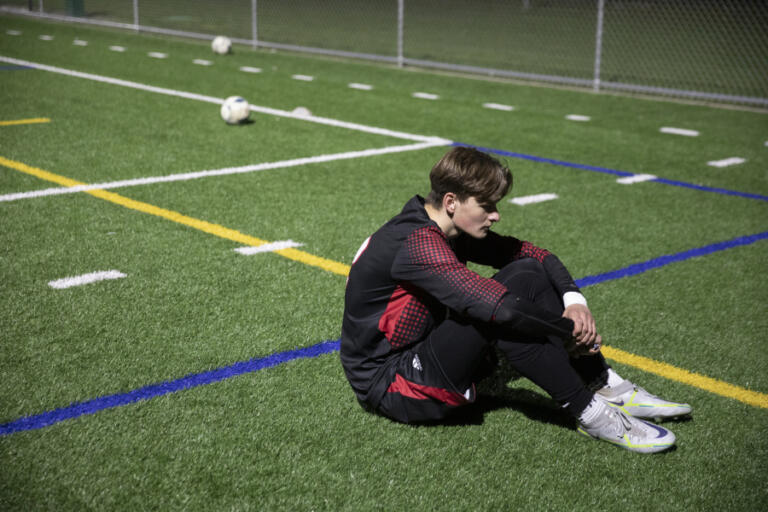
(449, 203)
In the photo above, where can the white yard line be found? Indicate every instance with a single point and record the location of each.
(425, 96)
(360, 87)
(219, 101)
(726, 162)
(679, 131)
(93, 277)
(537, 198)
(578, 117)
(499, 106)
(635, 178)
(270, 247)
(222, 172)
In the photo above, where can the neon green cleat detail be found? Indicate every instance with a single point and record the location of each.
(633, 434)
(637, 402)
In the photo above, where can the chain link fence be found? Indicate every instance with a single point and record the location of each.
(715, 50)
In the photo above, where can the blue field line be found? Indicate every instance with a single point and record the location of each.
(14, 67)
(723, 191)
(76, 410)
(540, 159)
(614, 172)
(639, 268)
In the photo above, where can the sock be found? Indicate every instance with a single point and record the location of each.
(614, 379)
(592, 411)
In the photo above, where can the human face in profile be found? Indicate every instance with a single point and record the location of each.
(474, 218)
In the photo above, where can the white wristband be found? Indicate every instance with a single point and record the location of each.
(571, 298)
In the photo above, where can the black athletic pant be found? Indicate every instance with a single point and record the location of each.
(461, 346)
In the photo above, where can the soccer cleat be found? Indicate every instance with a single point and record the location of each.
(636, 435)
(639, 403)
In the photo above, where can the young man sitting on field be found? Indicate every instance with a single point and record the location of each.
(419, 326)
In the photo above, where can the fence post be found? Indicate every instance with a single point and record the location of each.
(75, 8)
(400, 22)
(254, 24)
(598, 45)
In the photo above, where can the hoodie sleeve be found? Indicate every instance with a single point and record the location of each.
(497, 251)
(427, 261)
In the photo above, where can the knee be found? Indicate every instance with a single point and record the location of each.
(529, 267)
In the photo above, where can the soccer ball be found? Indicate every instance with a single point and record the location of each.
(235, 110)
(221, 45)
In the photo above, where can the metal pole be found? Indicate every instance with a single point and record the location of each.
(598, 45)
(254, 25)
(400, 23)
(75, 8)
(136, 14)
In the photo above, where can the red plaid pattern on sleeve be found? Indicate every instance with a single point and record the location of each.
(528, 250)
(456, 286)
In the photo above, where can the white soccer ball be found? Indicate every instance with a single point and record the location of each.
(221, 45)
(235, 110)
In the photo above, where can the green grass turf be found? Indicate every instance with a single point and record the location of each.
(256, 443)
(293, 437)
(168, 127)
(606, 141)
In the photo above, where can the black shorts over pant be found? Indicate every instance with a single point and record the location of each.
(436, 376)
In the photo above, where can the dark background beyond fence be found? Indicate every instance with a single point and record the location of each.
(704, 49)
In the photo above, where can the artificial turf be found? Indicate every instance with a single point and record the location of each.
(292, 436)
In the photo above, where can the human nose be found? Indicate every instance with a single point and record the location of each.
(494, 217)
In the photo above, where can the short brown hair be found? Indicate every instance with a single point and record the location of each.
(467, 173)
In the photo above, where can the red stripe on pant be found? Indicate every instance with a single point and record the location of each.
(422, 392)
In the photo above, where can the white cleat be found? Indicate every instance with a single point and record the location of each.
(639, 403)
(633, 434)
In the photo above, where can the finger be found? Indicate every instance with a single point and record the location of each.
(590, 330)
(587, 337)
(590, 335)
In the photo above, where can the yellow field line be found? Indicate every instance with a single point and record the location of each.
(670, 372)
(665, 370)
(25, 121)
(207, 227)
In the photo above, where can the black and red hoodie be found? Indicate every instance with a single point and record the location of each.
(405, 279)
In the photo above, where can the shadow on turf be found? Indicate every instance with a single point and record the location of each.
(496, 392)
(535, 406)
